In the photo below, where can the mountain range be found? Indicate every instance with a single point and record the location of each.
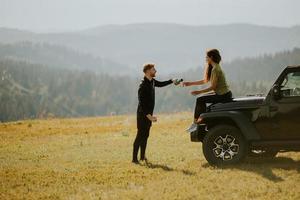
(55, 56)
(174, 47)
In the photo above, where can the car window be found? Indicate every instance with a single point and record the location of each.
(291, 85)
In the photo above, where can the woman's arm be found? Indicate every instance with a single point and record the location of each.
(213, 86)
(201, 82)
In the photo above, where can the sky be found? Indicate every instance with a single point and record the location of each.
(71, 15)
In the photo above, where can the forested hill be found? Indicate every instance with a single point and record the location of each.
(36, 91)
(56, 56)
(30, 90)
(266, 67)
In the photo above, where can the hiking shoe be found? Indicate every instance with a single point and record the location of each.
(192, 128)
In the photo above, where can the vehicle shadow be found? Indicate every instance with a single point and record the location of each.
(167, 168)
(264, 166)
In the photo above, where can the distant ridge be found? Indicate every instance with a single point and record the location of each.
(174, 47)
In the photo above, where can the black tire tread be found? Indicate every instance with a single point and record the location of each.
(214, 132)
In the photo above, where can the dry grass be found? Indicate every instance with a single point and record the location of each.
(89, 158)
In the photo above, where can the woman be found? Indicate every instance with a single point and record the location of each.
(216, 77)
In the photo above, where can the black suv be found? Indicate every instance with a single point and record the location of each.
(253, 126)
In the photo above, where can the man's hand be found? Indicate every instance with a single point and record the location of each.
(152, 118)
(177, 81)
(195, 92)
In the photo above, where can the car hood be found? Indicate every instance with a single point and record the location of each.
(239, 103)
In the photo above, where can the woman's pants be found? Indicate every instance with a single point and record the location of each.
(212, 98)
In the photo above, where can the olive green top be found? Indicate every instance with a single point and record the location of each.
(218, 75)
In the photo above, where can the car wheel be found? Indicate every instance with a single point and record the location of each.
(267, 153)
(224, 145)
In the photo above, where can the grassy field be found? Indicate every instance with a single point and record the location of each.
(89, 158)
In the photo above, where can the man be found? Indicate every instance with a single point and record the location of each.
(146, 97)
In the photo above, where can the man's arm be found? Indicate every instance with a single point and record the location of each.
(143, 99)
(162, 83)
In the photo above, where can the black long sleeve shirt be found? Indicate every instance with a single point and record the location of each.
(146, 95)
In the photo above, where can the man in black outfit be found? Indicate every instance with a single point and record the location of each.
(146, 97)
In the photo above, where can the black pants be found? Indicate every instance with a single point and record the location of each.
(213, 98)
(143, 126)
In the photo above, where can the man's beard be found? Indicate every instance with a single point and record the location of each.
(152, 75)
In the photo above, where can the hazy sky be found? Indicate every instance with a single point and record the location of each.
(60, 15)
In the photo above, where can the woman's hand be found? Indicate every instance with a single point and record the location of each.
(185, 83)
(195, 92)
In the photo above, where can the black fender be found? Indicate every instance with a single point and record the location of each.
(242, 122)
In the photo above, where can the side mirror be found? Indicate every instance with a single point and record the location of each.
(276, 92)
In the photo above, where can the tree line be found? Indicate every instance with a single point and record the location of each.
(29, 90)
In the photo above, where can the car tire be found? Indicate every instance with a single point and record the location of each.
(224, 145)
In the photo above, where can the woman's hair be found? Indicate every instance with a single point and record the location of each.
(213, 54)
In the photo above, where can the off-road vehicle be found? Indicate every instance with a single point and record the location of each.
(253, 126)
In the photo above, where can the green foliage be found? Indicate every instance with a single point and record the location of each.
(30, 90)
(34, 91)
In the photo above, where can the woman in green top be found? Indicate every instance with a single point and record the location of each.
(216, 77)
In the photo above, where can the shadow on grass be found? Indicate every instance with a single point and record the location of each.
(167, 168)
(264, 166)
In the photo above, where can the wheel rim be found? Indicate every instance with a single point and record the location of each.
(226, 147)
